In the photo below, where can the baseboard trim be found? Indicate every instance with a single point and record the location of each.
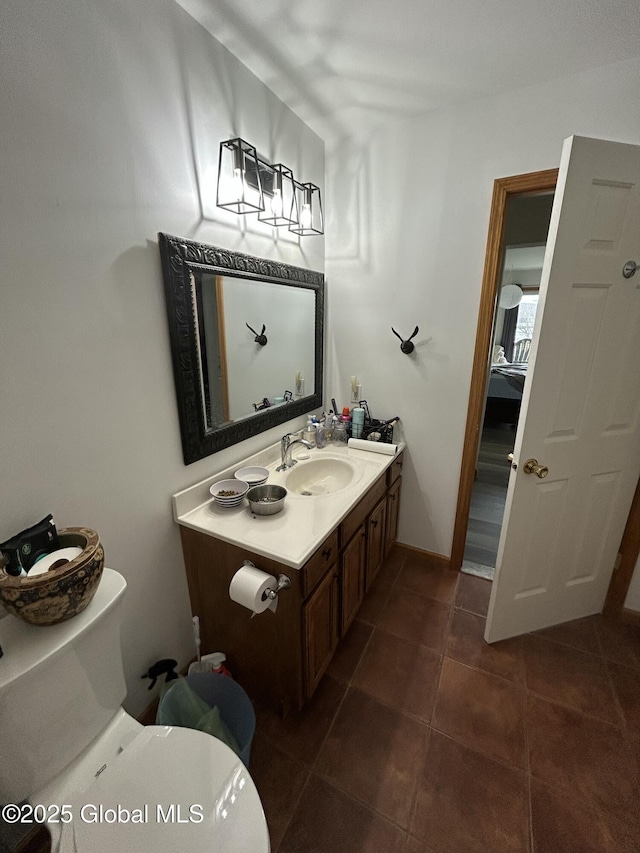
(436, 561)
(148, 716)
(631, 616)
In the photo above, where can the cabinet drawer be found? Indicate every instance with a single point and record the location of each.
(357, 515)
(395, 469)
(314, 569)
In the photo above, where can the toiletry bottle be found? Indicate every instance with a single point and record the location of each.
(340, 431)
(328, 427)
(321, 438)
(217, 660)
(334, 423)
(357, 422)
(309, 433)
(345, 417)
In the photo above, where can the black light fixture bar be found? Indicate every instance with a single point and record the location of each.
(249, 184)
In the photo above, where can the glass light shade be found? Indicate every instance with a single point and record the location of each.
(239, 181)
(280, 201)
(510, 296)
(310, 220)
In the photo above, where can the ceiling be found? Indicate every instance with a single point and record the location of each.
(345, 66)
(521, 258)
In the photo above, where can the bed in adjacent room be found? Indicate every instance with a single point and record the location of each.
(504, 393)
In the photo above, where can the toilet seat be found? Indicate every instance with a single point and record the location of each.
(170, 789)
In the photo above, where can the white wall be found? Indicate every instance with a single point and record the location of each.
(407, 211)
(112, 114)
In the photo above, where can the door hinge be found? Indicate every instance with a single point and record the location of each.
(616, 565)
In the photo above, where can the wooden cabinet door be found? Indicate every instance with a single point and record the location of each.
(320, 630)
(352, 568)
(393, 505)
(376, 541)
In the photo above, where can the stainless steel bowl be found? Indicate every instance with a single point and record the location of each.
(267, 499)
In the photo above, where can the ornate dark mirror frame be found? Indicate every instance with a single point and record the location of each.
(182, 257)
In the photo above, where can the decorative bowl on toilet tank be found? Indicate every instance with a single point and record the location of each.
(60, 593)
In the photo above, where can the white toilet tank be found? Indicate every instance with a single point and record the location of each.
(60, 685)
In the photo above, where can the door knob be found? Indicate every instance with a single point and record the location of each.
(531, 467)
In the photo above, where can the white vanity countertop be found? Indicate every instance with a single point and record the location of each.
(292, 535)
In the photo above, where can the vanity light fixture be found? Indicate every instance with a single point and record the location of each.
(281, 203)
(310, 206)
(239, 180)
(248, 184)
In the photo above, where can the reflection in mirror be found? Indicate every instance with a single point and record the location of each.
(238, 372)
(230, 384)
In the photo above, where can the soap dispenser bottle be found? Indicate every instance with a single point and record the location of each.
(321, 438)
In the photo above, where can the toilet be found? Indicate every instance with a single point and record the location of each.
(101, 780)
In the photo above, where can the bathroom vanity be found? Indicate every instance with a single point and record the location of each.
(331, 546)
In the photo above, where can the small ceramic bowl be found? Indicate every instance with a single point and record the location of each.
(229, 493)
(266, 500)
(253, 475)
(62, 592)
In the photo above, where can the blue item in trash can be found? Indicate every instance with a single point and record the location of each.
(233, 703)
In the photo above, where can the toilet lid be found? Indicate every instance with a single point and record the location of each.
(170, 789)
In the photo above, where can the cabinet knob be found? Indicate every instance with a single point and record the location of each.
(374, 523)
(326, 553)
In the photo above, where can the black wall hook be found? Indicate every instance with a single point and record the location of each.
(406, 346)
(260, 338)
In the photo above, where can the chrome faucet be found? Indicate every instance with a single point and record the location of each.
(285, 450)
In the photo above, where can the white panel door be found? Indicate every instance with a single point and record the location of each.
(581, 402)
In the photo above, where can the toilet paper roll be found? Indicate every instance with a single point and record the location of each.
(249, 587)
(373, 446)
(60, 555)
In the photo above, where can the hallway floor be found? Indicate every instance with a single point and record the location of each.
(488, 497)
(421, 738)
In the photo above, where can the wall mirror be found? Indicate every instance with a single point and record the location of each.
(233, 378)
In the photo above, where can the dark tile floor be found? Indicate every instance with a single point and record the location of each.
(422, 738)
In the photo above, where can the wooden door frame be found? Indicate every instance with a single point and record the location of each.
(628, 557)
(503, 188)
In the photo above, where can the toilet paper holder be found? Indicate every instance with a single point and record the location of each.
(282, 582)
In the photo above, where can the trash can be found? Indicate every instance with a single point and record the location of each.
(227, 696)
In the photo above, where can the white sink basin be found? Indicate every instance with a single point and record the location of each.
(320, 477)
